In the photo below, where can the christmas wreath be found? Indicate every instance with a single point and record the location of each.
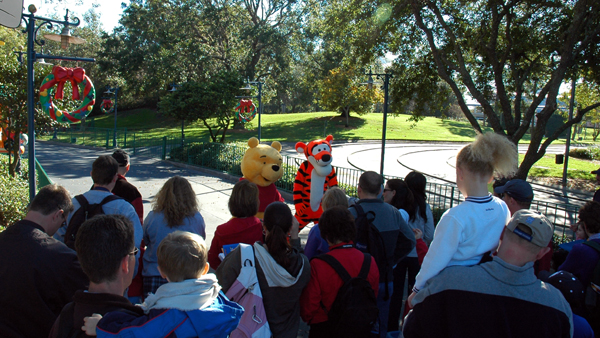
(107, 106)
(245, 111)
(79, 82)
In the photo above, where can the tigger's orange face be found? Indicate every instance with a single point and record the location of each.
(321, 151)
(318, 152)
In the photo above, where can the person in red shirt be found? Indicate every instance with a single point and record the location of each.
(243, 227)
(338, 229)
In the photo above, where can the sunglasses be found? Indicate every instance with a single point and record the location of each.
(135, 251)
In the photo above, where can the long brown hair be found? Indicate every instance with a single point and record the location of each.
(176, 200)
(278, 221)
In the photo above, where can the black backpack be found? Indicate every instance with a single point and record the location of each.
(592, 293)
(369, 240)
(85, 212)
(354, 310)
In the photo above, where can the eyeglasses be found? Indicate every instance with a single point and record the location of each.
(135, 251)
(386, 190)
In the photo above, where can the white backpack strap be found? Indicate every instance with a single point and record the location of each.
(247, 253)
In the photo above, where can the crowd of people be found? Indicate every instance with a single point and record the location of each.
(78, 266)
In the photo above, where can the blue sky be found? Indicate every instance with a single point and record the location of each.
(110, 10)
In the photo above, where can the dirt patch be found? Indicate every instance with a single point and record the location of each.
(577, 184)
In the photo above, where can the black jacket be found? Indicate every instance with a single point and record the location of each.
(39, 276)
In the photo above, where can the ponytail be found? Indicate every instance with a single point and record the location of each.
(490, 153)
(278, 246)
(278, 221)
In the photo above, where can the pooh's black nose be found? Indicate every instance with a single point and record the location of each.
(326, 158)
(275, 167)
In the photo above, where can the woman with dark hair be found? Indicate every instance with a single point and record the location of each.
(243, 227)
(397, 193)
(338, 229)
(282, 271)
(410, 196)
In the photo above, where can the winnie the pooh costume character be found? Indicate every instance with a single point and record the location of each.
(261, 165)
(313, 178)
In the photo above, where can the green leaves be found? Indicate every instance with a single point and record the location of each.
(211, 100)
(14, 193)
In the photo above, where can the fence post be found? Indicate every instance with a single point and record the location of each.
(164, 152)
(133, 143)
(106, 146)
(452, 199)
(125, 140)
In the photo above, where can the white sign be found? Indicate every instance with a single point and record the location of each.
(10, 13)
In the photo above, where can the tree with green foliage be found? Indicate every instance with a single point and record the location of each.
(161, 42)
(586, 94)
(341, 91)
(495, 50)
(13, 95)
(210, 100)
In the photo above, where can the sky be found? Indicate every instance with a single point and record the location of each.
(110, 10)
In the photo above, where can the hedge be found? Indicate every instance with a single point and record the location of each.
(14, 193)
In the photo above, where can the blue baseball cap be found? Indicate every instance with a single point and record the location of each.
(517, 189)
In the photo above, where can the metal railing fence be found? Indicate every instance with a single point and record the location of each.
(227, 158)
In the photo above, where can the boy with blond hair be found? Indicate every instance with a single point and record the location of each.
(190, 305)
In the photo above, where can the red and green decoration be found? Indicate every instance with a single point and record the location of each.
(245, 111)
(79, 82)
(107, 106)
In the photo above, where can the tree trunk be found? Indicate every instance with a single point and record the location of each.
(213, 137)
(346, 114)
(224, 132)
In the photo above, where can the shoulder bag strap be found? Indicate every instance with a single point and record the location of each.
(366, 267)
(336, 265)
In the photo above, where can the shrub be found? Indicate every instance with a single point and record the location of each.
(590, 153)
(14, 193)
(224, 157)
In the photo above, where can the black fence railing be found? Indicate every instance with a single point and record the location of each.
(227, 158)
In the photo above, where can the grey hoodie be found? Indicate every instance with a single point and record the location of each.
(281, 288)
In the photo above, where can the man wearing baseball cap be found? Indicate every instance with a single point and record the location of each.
(597, 194)
(517, 194)
(500, 298)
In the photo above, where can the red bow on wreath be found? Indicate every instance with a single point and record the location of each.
(107, 103)
(62, 74)
(246, 106)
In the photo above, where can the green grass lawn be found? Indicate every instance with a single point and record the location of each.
(578, 169)
(304, 126)
(301, 126)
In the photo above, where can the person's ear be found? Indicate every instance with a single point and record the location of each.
(161, 273)
(59, 214)
(115, 178)
(542, 253)
(125, 264)
(206, 267)
(127, 167)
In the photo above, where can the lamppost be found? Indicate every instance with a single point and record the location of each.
(114, 93)
(65, 38)
(386, 84)
(248, 87)
(174, 87)
(568, 143)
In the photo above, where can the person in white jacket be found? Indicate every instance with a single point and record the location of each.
(471, 229)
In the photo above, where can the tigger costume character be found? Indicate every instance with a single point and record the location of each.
(314, 176)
